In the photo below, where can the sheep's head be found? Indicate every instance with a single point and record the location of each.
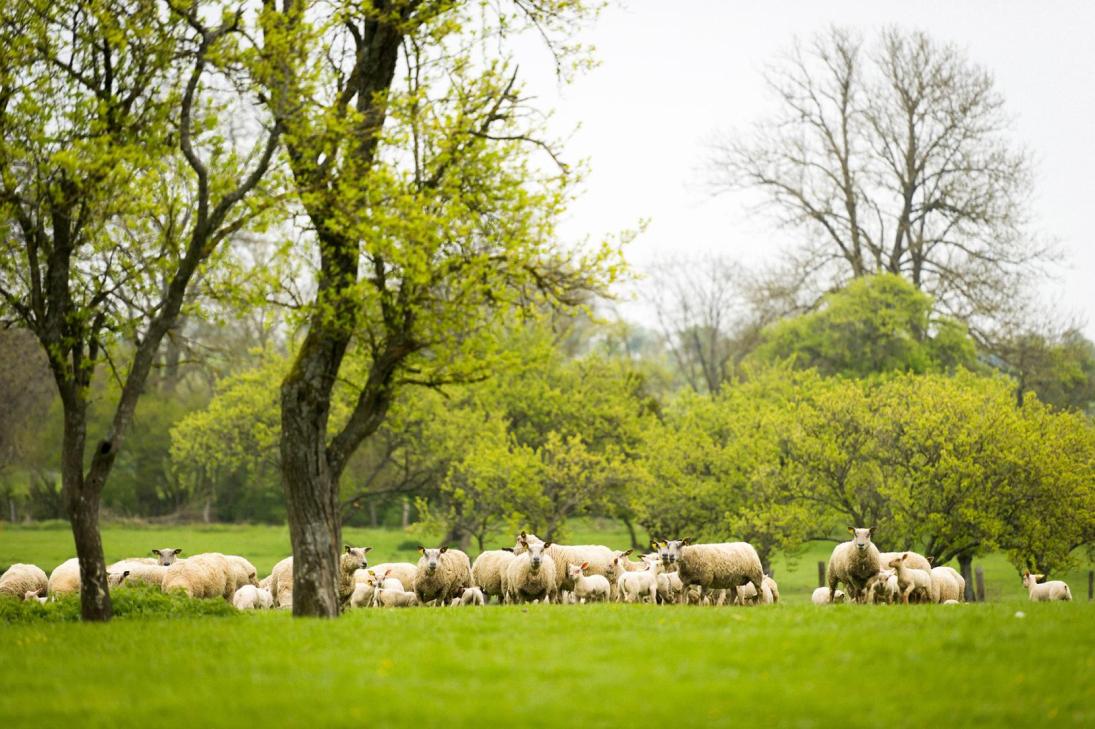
(355, 558)
(536, 554)
(652, 561)
(522, 542)
(266, 598)
(838, 596)
(669, 551)
(167, 556)
(1029, 578)
(113, 579)
(619, 563)
(431, 557)
(861, 537)
(575, 571)
(33, 595)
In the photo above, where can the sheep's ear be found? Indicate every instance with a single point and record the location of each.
(388, 572)
(155, 551)
(626, 553)
(686, 540)
(523, 535)
(851, 530)
(547, 544)
(870, 531)
(444, 549)
(904, 556)
(349, 549)
(126, 574)
(368, 549)
(930, 558)
(178, 552)
(421, 549)
(585, 565)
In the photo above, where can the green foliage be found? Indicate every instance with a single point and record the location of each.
(879, 323)
(136, 602)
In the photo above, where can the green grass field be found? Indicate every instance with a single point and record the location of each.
(607, 665)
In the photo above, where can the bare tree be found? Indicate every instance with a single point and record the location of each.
(893, 157)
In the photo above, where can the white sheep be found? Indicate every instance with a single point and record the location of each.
(530, 577)
(747, 594)
(822, 596)
(598, 556)
(140, 571)
(241, 572)
(442, 574)
(250, 597)
(951, 602)
(883, 589)
(854, 563)
(947, 584)
(618, 566)
(915, 560)
(364, 594)
(165, 557)
(281, 583)
(721, 566)
(1045, 591)
(402, 571)
(470, 596)
(669, 587)
(591, 588)
(639, 586)
(489, 569)
(911, 582)
(281, 577)
(204, 575)
(32, 595)
(395, 598)
(65, 578)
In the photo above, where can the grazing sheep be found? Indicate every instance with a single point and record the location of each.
(265, 582)
(19, 579)
(854, 563)
(250, 597)
(395, 598)
(639, 586)
(202, 576)
(911, 582)
(402, 571)
(882, 589)
(593, 588)
(167, 556)
(721, 566)
(442, 574)
(947, 584)
(281, 583)
(530, 577)
(489, 569)
(242, 572)
(1045, 591)
(471, 596)
(32, 595)
(669, 587)
(598, 557)
(65, 578)
(822, 596)
(140, 571)
(747, 594)
(916, 560)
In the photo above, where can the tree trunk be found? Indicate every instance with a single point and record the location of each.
(631, 533)
(965, 567)
(82, 506)
(372, 513)
(405, 521)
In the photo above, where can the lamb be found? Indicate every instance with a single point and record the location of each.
(530, 577)
(116, 578)
(822, 596)
(1045, 591)
(489, 569)
(593, 588)
(883, 588)
(669, 587)
(471, 596)
(242, 572)
(916, 561)
(854, 563)
(364, 594)
(19, 579)
(911, 582)
(442, 574)
(33, 595)
(747, 594)
(639, 586)
(395, 598)
(167, 556)
(140, 571)
(250, 597)
(720, 566)
(598, 557)
(281, 583)
(947, 584)
(202, 576)
(65, 578)
(281, 577)
(402, 571)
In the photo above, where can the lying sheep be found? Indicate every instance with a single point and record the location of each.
(1045, 591)
(395, 598)
(32, 595)
(202, 576)
(19, 579)
(364, 594)
(639, 586)
(591, 588)
(911, 582)
(250, 597)
(140, 572)
(854, 563)
(947, 584)
(822, 596)
(488, 570)
(747, 594)
(65, 578)
(167, 556)
(442, 574)
(402, 571)
(530, 577)
(599, 558)
(722, 566)
(470, 596)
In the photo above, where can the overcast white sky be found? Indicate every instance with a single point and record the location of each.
(673, 73)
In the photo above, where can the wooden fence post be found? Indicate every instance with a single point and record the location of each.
(980, 573)
(821, 574)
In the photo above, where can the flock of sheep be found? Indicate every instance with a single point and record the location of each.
(533, 570)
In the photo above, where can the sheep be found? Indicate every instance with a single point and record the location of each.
(488, 570)
(242, 572)
(951, 602)
(721, 566)
(140, 571)
(281, 577)
(669, 587)
(441, 575)
(471, 596)
(911, 582)
(167, 556)
(882, 589)
(639, 586)
(402, 571)
(1045, 591)
(598, 557)
(947, 584)
(65, 578)
(250, 597)
(854, 563)
(530, 577)
(116, 578)
(204, 575)
(395, 598)
(593, 588)
(747, 594)
(33, 595)
(364, 594)
(618, 566)
(916, 561)
(822, 596)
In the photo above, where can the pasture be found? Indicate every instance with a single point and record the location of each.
(599, 665)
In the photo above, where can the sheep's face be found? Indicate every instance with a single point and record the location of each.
(619, 563)
(670, 551)
(536, 554)
(32, 595)
(113, 579)
(166, 556)
(521, 544)
(861, 537)
(574, 571)
(432, 557)
(265, 598)
(355, 557)
(1031, 579)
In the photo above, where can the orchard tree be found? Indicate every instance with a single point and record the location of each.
(105, 110)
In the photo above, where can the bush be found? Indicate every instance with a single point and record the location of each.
(137, 601)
